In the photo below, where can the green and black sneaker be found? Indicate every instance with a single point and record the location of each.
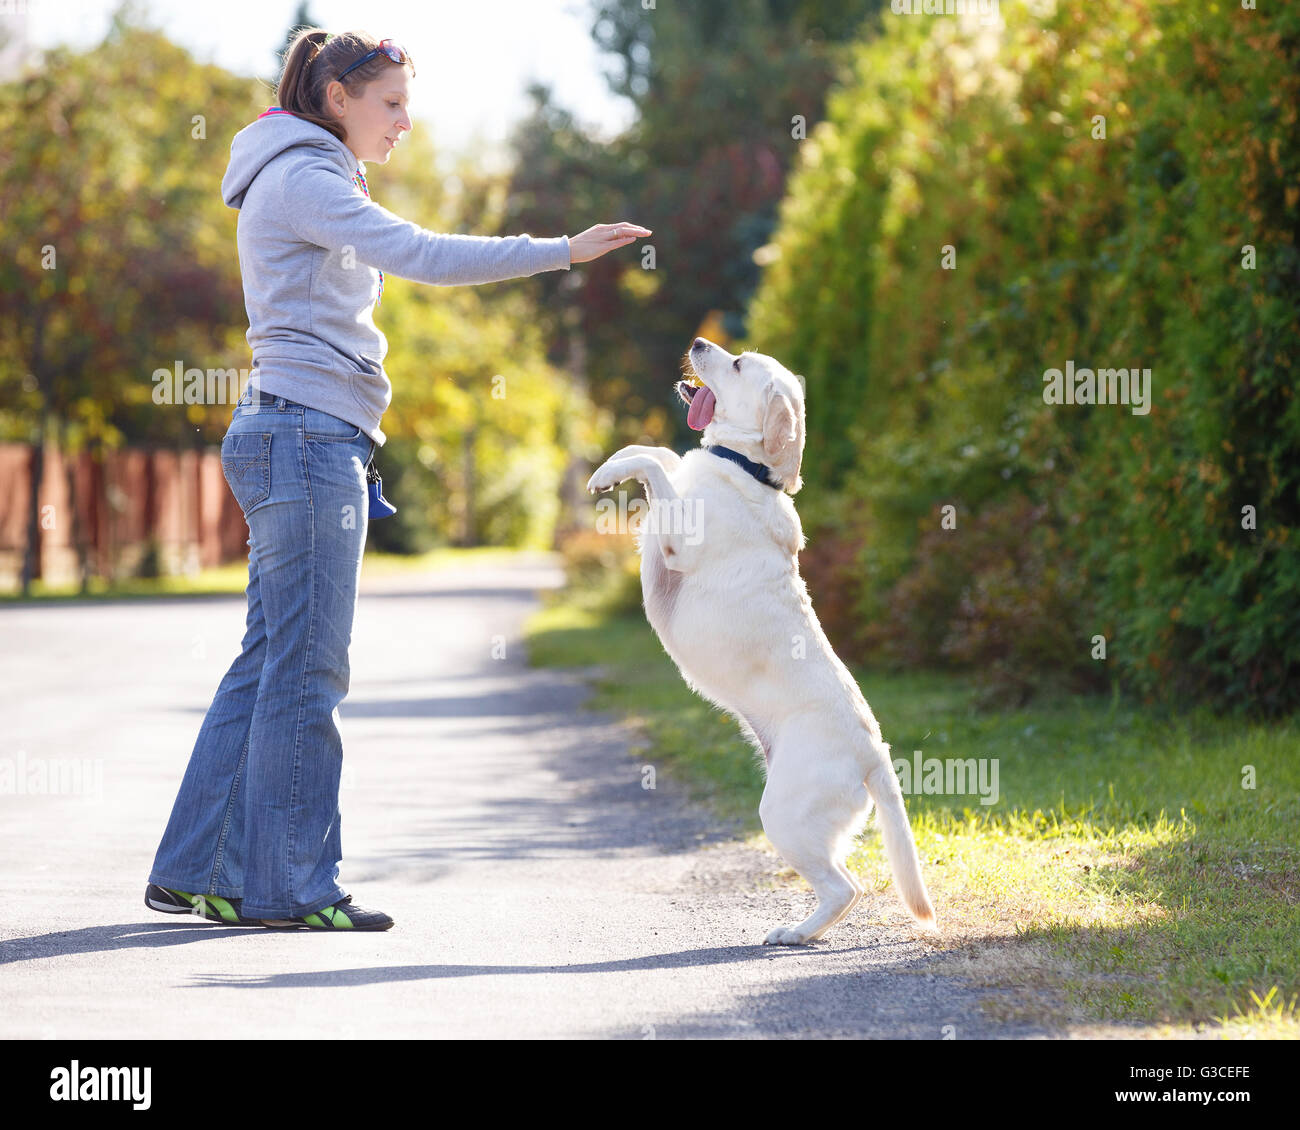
(213, 908)
(341, 916)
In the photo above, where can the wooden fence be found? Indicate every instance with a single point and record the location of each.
(128, 503)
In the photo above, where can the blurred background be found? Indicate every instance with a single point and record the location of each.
(919, 214)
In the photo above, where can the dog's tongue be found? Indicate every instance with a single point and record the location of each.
(700, 412)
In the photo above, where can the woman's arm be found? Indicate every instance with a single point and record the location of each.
(322, 207)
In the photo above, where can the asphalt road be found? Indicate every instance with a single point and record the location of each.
(538, 890)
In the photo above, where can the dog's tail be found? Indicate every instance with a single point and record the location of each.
(882, 784)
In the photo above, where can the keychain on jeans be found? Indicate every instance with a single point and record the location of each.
(380, 507)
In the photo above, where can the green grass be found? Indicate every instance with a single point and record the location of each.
(228, 580)
(1124, 873)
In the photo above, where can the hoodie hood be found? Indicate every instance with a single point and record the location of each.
(269, 136)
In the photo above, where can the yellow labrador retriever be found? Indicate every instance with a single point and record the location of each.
(720, 580)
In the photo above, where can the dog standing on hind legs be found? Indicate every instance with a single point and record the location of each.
(721, 587)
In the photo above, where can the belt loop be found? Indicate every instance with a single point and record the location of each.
(280, 403)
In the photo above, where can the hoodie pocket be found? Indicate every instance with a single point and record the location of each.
(246, 462)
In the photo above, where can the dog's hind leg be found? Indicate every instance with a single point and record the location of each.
(813, 838)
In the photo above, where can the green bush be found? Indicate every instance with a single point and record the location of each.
(951, 143)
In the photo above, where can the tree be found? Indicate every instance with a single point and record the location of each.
(113, 255)
(716, 88)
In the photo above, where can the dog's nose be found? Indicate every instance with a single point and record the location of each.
(699, 343)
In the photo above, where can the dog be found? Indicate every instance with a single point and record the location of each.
(730, 608)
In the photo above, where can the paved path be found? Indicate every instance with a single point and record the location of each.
(538, 890)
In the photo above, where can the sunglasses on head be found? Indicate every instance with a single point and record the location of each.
(386, 47)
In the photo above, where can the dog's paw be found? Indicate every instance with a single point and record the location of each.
(600, 482)
(786, 936)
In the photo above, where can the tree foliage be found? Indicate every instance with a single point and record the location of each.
(925, 384)
(118, 258)
(716, 90)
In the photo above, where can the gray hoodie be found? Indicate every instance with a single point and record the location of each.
(311, 246)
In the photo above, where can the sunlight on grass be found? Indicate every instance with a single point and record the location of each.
(1124, 874)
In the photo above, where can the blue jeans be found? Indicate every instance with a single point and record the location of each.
(257, 815)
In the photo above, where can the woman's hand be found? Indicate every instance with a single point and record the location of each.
(594, 242)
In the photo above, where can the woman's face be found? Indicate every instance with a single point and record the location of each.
(375, 122)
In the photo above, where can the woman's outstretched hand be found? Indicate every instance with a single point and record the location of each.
(594, 242)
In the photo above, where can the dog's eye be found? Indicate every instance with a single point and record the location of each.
(736, 364)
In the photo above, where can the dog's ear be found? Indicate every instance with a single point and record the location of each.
(783, 440)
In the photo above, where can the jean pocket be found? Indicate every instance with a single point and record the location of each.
(318, 425)
(246, 461)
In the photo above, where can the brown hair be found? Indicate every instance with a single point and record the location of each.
(311, 64)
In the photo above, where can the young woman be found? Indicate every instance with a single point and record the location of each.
(254, 834)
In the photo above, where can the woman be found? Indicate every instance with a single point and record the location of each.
(254, 836)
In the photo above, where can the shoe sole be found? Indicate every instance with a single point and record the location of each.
(282, 924)
(267, 923)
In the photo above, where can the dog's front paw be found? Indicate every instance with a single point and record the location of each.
(786, 936)
(600, 481)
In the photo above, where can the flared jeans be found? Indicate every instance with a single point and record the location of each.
(257, 815)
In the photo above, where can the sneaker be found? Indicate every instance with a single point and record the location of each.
(341, 916)
(213, 908)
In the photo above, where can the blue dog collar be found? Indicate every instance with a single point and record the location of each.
(761, 471)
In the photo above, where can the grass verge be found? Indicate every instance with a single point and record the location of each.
(1135, 868)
